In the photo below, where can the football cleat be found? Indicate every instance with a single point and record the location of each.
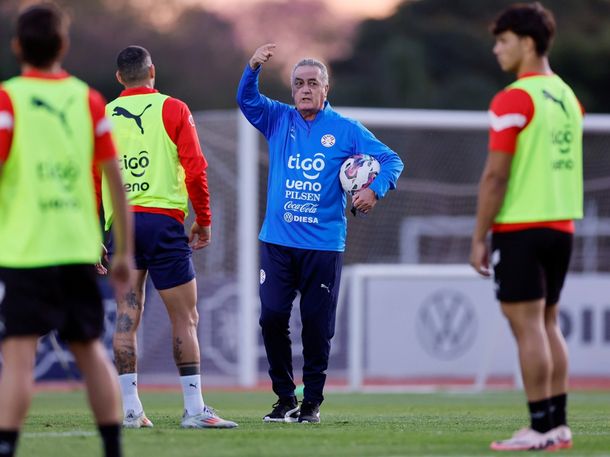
(527, 439)
(310, 412)
(133, 420)
(206, 419)
(286, 409)
(563, 434)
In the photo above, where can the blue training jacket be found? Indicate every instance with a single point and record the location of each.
(305, 201)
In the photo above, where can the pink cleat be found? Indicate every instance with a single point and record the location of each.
(527, 439)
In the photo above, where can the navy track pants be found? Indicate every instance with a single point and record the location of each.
(316, 275)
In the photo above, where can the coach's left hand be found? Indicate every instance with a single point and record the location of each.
(200, 236)
(364, 200)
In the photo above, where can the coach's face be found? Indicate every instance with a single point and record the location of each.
(308, 91)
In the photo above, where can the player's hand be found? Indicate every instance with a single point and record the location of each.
(261, 55)
(479, 257)
(200, 236)
(99, 267)
(121, 271)
(364, 200)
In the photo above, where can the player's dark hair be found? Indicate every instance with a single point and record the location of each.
(528, 19)
(41, 31)
(133, 63)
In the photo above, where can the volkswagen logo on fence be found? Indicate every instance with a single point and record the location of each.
(446, 324)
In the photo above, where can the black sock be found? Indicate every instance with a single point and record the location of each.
(111, 437)
(558, 409)
(540, 415)
(8, 442)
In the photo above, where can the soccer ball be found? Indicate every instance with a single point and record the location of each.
(358, 172)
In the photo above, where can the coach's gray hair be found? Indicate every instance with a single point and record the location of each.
(309, 62)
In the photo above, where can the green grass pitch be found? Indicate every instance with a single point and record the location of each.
(353, 425)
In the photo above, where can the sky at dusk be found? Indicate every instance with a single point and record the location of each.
(307, 29)
(358, 8)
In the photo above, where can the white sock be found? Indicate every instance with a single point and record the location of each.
(191, 392)
(129, 393)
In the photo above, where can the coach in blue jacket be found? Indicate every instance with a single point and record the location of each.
(304, 231)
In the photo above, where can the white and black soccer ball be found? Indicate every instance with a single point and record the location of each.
(358, 172)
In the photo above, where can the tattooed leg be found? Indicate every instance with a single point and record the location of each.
(181, 304)
(185, 367)
(125, 359)
(129, 314)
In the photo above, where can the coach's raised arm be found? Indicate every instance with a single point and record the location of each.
(261, 55)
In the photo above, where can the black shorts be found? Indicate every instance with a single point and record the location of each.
(34, 301)
(530, 264)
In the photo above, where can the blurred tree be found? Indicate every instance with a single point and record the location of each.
(8, 65)
(300, 28)
(437, 54)
(428, 54)
(196, 55)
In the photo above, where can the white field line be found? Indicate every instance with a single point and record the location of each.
(72, 433)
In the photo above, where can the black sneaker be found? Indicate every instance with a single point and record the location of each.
(284, 410)
(310, 412)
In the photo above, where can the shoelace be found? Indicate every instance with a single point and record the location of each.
(211, 411)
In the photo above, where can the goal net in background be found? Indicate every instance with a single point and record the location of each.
(426, 221)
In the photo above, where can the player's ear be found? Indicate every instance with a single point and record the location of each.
(118, 78)
(528, 43)
(152, 71)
